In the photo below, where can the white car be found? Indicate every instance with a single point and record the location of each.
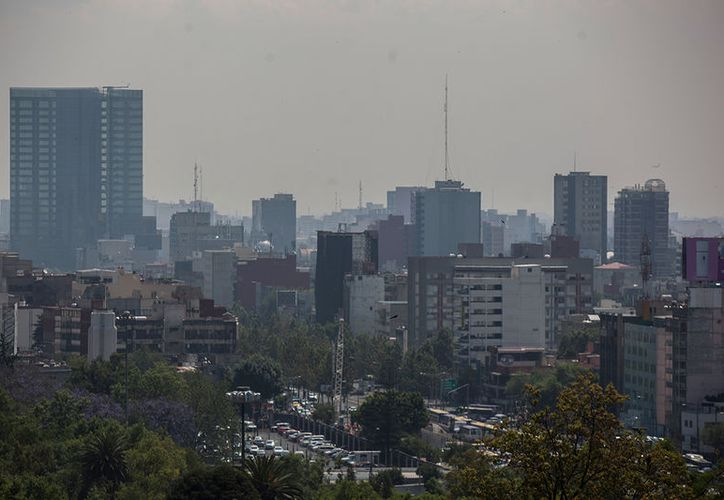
(259, 441)
(254, 449)
(278, 450)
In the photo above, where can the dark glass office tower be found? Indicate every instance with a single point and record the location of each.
(55, 182)
(76, 170)
(122, 160)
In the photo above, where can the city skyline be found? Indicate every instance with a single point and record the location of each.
(320, 98)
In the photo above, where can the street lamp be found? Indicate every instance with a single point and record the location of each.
(242, 396)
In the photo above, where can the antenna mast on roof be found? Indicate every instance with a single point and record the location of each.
(574, 161)
(196, 187)
(447, 157)
(360, 195)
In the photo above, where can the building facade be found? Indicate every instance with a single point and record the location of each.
(399, 201)
(76, 169)
(361, 295)
(121, 160)
(497, 306)
(580, 210)
(339, 254)
(641, 218)
(445, 216)
(568, 289)
(275, 220)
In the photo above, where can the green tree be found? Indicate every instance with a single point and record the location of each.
(273, 478)
(261, 373)
(324, 412)
(713, 436)
(222, 482)
(154, 463)
(418, 447)
(386, 416)
(310, 474)
(549, 382)
(579, 449)
(475, 476)
(574, 341)
(348, 490)
(441, 348)
(103, 458)
(387, 364)
(418, 372)
(384, 482)
(208, 401)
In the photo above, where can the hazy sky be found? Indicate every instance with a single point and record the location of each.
(311, 97)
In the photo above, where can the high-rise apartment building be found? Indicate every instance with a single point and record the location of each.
(698, 366)
(445, 216)
(122, 160)
(641, 214)
(399, 201)
(275, 219)
(433, 298)
(580, 204)
(55, 180)
(75, 169)
(339, 254)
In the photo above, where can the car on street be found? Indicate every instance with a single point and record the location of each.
(269, 445)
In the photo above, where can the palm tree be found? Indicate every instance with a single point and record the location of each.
(272, 478)
(103, 458)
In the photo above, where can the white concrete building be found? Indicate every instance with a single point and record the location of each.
(102, 335)
(361, 295)
(219, 271)
(26, 319)
(498, 306)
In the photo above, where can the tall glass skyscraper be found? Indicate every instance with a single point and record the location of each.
(75, 170)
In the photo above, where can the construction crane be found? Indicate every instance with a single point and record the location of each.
(339, 368)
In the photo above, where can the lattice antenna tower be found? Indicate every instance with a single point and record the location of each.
(447, 155)
(339, 368)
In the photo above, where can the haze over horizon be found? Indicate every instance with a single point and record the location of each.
(310, 98)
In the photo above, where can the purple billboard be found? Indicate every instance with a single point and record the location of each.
(703, 259)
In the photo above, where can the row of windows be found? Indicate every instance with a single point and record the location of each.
(18, 103)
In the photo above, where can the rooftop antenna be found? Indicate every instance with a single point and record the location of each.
(360, 195)
(196, 187)
(201, 184)
(574, 161)
(447, 157)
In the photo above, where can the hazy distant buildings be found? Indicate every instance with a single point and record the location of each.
(192, 232)
(275, 219)
(500, 231)
(444, 216)
(4, 216)
(75, 169)
(580, 209)
(399, 201)
(642, 213)
(339, 254)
